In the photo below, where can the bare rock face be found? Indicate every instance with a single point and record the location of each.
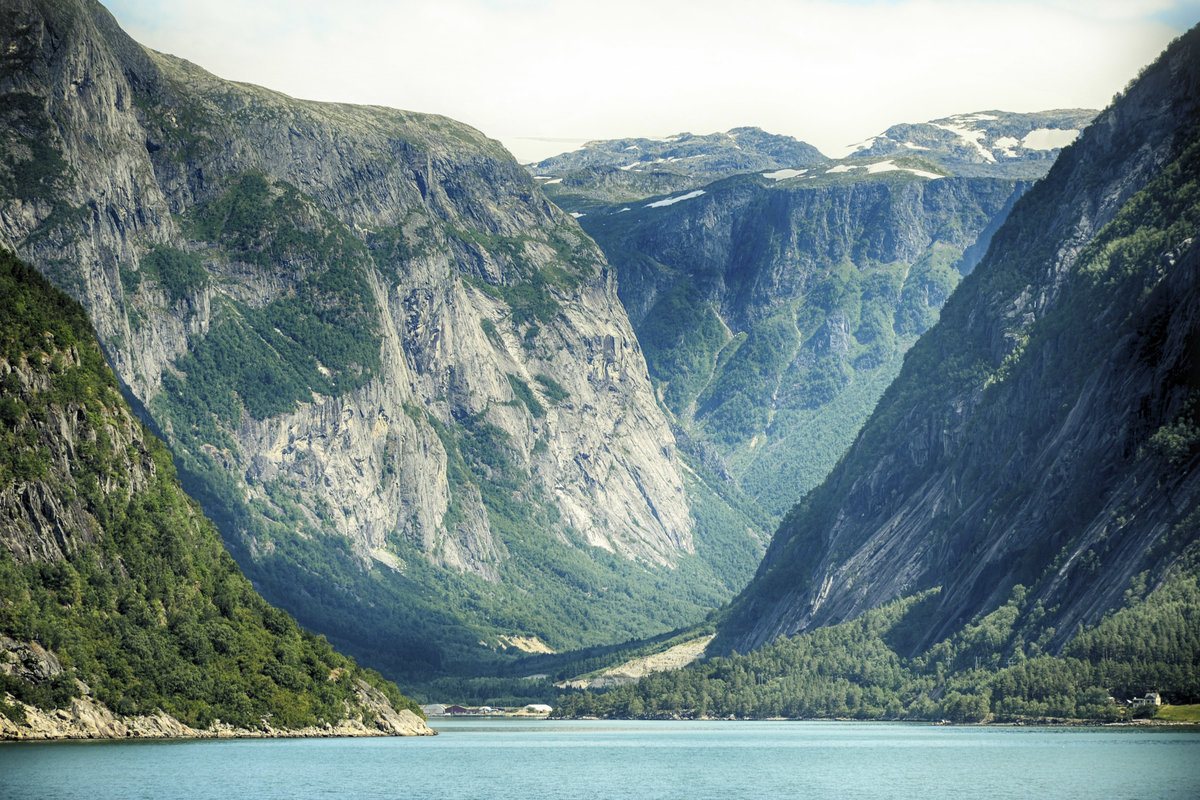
(28, 660)
(347, 321)
(45, 524)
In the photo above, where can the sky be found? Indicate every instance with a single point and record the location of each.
(545, 76)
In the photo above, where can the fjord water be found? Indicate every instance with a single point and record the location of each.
(503, 759)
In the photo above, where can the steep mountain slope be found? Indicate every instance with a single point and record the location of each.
(775, 306)
(772, 316)
(111, 576)
(398, 379)
(1040, 440)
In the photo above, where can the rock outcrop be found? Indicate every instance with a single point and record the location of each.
(85, 718)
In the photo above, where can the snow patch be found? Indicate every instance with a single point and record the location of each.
(670, 201)
(890, 166)
(971, 137)
(551, 180)
(912, 146)
(576, 214)
(623, 210)
(1006, 145)
(783, 174)
(1049, 138)
(633, 147)
(883, 166)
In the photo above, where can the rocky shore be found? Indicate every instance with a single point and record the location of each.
(87, 719)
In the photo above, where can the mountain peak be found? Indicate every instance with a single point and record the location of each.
(999, 143)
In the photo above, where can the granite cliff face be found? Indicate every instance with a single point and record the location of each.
(365, 333)
(1042, 434)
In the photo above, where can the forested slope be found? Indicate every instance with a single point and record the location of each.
(116, 594)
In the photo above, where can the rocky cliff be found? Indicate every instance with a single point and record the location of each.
(774, 307)
(370, 340)
(120, 612)
(1042, 434)
(775, 292)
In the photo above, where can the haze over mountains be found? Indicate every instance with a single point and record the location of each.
(444, 409)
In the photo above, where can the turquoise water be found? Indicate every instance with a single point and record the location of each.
(509, 759)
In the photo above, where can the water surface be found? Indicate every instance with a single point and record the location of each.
(559, 760)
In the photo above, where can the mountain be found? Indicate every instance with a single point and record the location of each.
(1038, 452)
(984, 143)
(775, 305)
(395, 375)
(1015, 533)
(620, 170)
(121, 614)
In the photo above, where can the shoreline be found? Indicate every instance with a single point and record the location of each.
(1049, 723)
(87, 720)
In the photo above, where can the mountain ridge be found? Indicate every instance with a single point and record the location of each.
(912, 498)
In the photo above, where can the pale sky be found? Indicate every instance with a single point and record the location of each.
(544, 76)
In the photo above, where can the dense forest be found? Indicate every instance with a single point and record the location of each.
(988, 671)
(128, 584)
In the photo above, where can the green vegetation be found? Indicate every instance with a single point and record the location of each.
(553, 390)
(996, 668)
(525, 396)
(532, 302)
(787, 299)
(427, 622)
(317, 336)
(180, 273)
(1109, 296)
(146, 607)
(32, 167)
(682, 343)
(1185, 713)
